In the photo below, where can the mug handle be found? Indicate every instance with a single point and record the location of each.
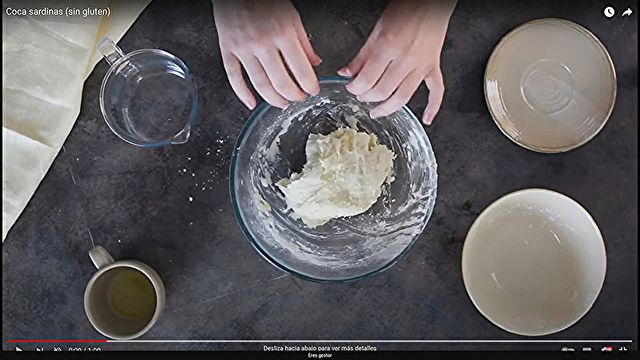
(109, 50)
(100, 257)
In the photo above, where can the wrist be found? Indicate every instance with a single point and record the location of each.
(439, 12)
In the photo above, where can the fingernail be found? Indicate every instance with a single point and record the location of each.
(344, 72)
(249, 104)
(425, 119)
(373, 115)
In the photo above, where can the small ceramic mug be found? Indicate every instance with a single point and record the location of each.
(124, 298)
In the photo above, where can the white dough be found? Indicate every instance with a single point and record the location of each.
(343, 176)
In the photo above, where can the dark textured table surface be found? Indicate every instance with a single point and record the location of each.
(136, 201)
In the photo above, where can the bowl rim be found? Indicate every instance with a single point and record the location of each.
(247, 234)
(598, 43)
(493, 205)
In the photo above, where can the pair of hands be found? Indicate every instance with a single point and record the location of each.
(268, 40)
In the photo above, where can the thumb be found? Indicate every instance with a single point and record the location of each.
(435, 84)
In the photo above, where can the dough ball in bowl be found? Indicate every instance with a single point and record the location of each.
(271, 147)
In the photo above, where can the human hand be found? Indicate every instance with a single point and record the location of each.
(268, 39)
(402, 50)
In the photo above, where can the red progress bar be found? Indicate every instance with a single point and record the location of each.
(56, 341)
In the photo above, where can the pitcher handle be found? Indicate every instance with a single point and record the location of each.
(109, 50)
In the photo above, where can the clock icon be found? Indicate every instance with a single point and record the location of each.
(609, 12)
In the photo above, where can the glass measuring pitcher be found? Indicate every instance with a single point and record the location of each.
(148, 97)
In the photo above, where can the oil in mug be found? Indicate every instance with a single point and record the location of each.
(131, 295)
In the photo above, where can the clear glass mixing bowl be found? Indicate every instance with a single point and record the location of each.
(272, 145)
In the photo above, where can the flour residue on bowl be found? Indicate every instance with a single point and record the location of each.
(348, 245)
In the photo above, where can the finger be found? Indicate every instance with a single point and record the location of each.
(388, 83)
(354, 67)
(369, 75)
(238, 84)
(306, 44)
(300, 67)
(280, 79)
(435, 84)
(399, 98)
(261, 82)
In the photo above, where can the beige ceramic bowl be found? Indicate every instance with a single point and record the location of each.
(534, 262)
(550, 85)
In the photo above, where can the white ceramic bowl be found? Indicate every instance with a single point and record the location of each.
(534, 262)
